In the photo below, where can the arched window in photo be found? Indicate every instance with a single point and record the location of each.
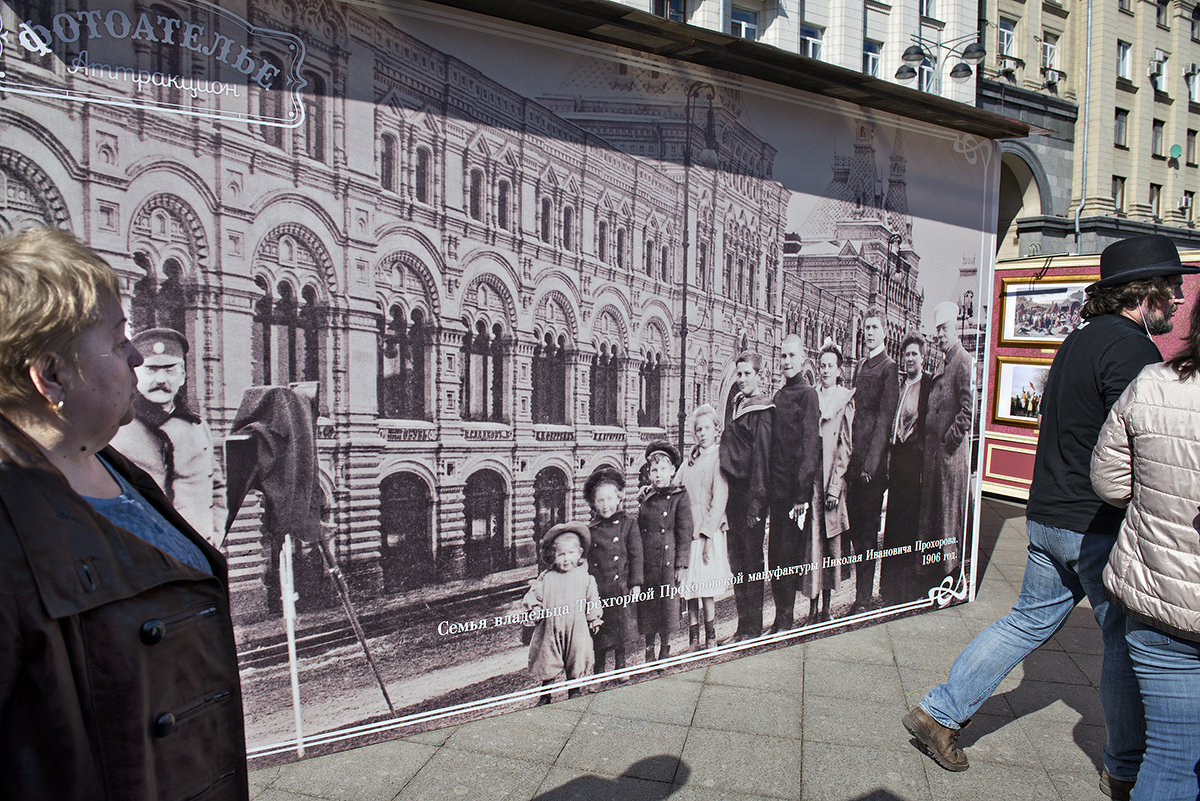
(422, 175)
(270, 105)
(314, 116)
(549, 373)
(622, 248)
(649, 257)
(387, 162)
(286, 333)
(485, 504)
(568, 222)
(664, 264)
(405, 532)
(602, 240)
(483, 372)
(729, 275)
(605, 385)
(702, 265)
(155, 305)
(475, 195)
(402, 382)
(546, 227)
(503, 204)
(550, 492)
(167, 61)
(650, 392)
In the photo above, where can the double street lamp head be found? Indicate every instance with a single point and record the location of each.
(916, 54)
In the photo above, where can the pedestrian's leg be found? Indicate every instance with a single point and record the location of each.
(1048, 594)
(1168, 673)
(1124, 718)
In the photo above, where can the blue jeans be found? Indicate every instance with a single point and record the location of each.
(1063, 566)
(1168, 673)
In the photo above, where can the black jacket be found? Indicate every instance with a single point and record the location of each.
(795, 443)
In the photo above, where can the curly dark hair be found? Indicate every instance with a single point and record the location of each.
(1116, 299)
(1187, 361)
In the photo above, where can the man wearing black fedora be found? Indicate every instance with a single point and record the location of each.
(1070, 529)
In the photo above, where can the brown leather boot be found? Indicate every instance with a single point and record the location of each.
(940, 743)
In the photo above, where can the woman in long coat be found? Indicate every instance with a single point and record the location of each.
(837, 418)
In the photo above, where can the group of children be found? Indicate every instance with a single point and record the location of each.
(674, 548)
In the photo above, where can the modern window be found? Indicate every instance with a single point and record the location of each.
(1005, 38)
(1162, 13)
(670, 9)
(1118, 194)
(871, 54)
(1124, 60)
(1189, 151)
(1158, 75)
(1049, 51)
(1188, 203)
(1156, 200)
(743, 23)
(810, 41)
(926, 7)
(1156, 138)
(1195, 24)
(1121, 128)
(925, 76)
(1125, 5)
(1192, 80)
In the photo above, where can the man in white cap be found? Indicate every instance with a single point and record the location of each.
(166, 439)
(947, 441)
(1071, 530)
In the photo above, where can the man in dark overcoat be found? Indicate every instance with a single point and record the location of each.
(745, 453)
(947, 442)
(795, 462)
(876, 394)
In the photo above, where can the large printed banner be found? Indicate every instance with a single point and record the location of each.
(410, 276)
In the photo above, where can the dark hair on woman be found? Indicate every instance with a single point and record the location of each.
(1116, 299)
(829, 347)
(913, 339)
(1187, 361)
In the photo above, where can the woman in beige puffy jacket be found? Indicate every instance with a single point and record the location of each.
(1148, 458)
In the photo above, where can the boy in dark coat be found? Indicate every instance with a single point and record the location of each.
(665, 524)
(615, 559)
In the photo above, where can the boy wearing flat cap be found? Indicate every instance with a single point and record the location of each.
(665, 524)
(1071, 530)
(564, 609)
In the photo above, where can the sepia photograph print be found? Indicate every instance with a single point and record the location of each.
(1019, 383)
(498, 383)
(1040, 312)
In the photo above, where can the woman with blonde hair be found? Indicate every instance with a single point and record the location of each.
(708, 575)
(119, 675)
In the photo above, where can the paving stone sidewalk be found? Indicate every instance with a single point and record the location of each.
(817, 721)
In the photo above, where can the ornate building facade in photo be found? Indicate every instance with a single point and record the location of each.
(487, 288)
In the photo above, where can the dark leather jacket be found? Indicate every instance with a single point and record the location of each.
(118, 671)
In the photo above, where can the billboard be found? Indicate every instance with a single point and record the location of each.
(479, 262)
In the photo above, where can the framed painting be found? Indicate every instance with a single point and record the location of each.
(1019, 384)
(1040, 312)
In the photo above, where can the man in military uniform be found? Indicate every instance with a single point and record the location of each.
(166, 439)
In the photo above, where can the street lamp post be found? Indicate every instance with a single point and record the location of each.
(966, 47)
(966, 310)
(708, 158)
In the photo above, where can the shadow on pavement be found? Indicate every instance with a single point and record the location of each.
(650, 778)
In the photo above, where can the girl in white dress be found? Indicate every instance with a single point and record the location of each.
(708, 576)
